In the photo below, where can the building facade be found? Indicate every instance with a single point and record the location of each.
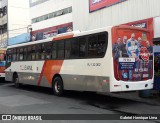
(3, 23)
(14, 20)
(50, 17)
(46, 18)
(91, 14)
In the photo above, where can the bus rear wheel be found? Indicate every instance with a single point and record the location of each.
(57, 86)
(16, 81)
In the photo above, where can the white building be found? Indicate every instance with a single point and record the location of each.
(3, 23)
(91, 14)
(14, 19)
(50, 17)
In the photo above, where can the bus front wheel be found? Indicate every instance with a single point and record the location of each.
(57, 86)
(16, 81)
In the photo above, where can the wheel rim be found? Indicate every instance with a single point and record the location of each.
(57, 87)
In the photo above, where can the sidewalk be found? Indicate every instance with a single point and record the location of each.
(153, 99)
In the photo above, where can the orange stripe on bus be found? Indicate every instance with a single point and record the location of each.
(50, 68)
(63, 37)
(40, 78)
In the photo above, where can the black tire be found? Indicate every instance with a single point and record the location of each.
(57, 86)
(16, 81)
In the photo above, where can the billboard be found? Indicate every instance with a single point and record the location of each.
(132, 54)
(51, 31)
(99, 4)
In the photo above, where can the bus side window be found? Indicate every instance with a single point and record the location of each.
(82, 47)
(29, 53)
(102, 41)
(9, 58)
(33, 53)
(68, 48)
(75, 48)
(54, 51)
(48, 50)
(14, 55)
(9, 53)
(38, 51)
(60, 49)
(92, 46)
(21, 54)
(25, 54)
(17, 54)
(43, 52)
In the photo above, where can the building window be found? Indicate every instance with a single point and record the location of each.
(36, 2)
(34, 20)
(45, 17)
(59, 13)
(66, 11)
(41, 18)
(70, 9)
(52, 15)
(37, 20)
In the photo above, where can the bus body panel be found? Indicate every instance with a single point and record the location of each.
(86, 83)
(83, 80)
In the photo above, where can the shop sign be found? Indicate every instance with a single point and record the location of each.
(99, 4)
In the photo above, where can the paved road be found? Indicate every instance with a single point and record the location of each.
(36, 100)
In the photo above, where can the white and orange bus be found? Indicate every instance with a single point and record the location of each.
(112, 59)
